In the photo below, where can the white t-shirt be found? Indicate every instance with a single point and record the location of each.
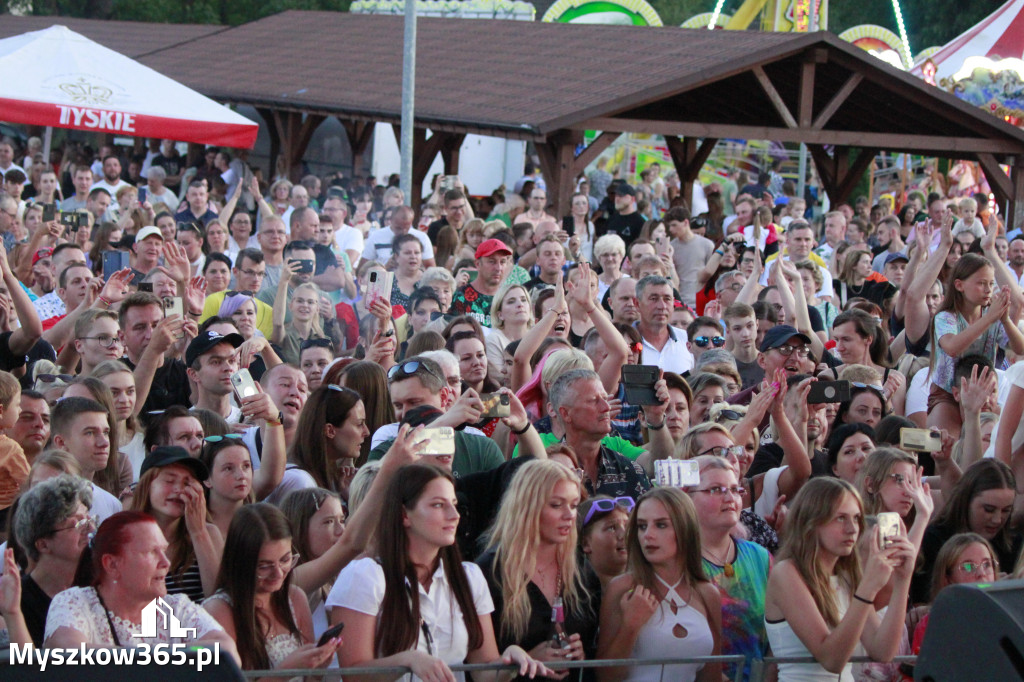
(378, 244)
(104, 505)
(294, 479)
(349, 239)
(360, 587)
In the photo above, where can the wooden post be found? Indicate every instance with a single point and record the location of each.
(558, 162)
(359, 134)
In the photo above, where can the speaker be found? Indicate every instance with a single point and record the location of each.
(975, 632)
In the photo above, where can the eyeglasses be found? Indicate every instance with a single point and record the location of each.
(735, 286)
(857, 384)
(265, 569)
(410, 368)
(218, 439)
(801, 351)
(50, 378)
(248, 293)
(86, 524)
(605, 506)
(723, 451)
(971, 568)
(722, 491)
(703, 341)
(104, 340)
(729, 415)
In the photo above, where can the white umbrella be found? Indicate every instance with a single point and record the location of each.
(60, 78)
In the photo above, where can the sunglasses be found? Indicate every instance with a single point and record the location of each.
(857, 384)
(728, 415)
(50, 378)
(239, 293)
(703, 341)
(411, 368)
(604, 506)
(316, 343)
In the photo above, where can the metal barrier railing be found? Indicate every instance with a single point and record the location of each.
(336, 673)
(758, 668)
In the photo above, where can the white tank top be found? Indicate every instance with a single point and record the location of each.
(785, 643)
(677, 630)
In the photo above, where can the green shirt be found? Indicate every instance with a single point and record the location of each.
(473, 454)
(619, 445)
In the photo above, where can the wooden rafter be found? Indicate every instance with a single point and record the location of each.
(774, 96)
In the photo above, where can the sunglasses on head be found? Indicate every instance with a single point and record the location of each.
(316, 343)
(239, 293)
(728, 415)
(50, 378)
(703, 341)
(604, 506)
(219, 439)
(410, 368)
(857, 384)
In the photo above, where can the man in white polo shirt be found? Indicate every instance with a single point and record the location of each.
(663, 344)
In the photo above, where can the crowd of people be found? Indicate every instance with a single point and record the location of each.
(284, 407)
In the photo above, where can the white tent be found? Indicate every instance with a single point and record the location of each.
(59, 78)
(999, 36)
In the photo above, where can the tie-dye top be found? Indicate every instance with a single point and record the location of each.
(743, 603)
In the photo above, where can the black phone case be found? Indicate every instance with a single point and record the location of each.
(638, 382)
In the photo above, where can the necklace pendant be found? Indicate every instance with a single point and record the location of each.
(729, 571)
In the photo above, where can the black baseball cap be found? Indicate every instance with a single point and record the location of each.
(166, 455)
(889, 258)
(203, 343)
(624, 188)
(779, 335)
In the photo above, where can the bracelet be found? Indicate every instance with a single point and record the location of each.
(524, 429)
(652, 427)
(195, 314)
(720, 253)
(105, 301)
(276, 422)
(861, 599)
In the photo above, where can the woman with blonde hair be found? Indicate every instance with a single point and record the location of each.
(121, 382)
(820, 602)
(532, 568)
(511, 317)
(663, 606)
(306, 322)
(891, 481)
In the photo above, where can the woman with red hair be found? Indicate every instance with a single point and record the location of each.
(117, 579)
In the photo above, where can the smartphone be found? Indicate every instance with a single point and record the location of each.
(142, 195)
(496, 405)
(114, 261)
(659, 245)
(439, 441)
(146, 286)
(889, 523)
(330, 633)
(638, 382)
(920, 440)
(828, 392)
(173, 305)
(69, 219)
(448, 182)
(243, 384)
(379, 285)
(306, 266)
(49, 213)
(472, 275)
(676, 473)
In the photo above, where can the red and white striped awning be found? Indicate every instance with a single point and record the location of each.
(998, 36)
(59, 78)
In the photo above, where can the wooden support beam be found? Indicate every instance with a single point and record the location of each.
(852, 174)
(450, 153)
(688, 159)
(997, 179)
(359, 134)
(275, 138)
(1015, 211)
(825, 166)
(805, 100)
(842, 94)
(774, 96)
(930, 144)
(594, 149)
(558, 160)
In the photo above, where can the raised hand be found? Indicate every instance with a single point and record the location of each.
(920, 491)
(176, 263)
(638, 605)
(976, 390)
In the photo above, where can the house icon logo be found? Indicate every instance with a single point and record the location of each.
(156, 612)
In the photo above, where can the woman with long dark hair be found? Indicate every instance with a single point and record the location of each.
(256, 603)
(417, 604)
(331, 428)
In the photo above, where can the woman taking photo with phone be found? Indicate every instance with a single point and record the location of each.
(820, 602)
(417, 604)
(256, 603)
(664, 606)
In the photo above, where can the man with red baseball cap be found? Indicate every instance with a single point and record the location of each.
(493, 264)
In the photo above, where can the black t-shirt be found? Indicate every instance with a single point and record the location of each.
(769, 456)
(9, 362)
(173, 165)
(170, 386)
(325, 259)
(479, 498)
(539, 629)
(626, 226)
(35, 604)
(435, 227)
